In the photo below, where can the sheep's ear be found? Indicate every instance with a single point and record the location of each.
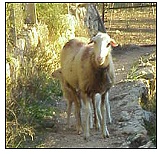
(93, 39)
(57, 73)
(113, 43)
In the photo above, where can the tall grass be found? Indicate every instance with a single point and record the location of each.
(30, 89)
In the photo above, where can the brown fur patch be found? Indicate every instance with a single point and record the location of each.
(68, 44)
(57, 74)
(101, 81)
(86, 53)
(79, 44)
(73, 43)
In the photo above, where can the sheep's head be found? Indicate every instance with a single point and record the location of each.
(57, 74)
(102, 48)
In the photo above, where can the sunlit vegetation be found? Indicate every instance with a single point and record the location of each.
(30, 89)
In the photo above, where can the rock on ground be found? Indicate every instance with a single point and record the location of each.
(128, 113)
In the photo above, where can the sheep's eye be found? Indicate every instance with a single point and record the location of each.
(108, 45)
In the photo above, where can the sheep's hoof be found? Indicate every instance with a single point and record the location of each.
(91, 127)
(110, 121)
(86, 137)
(106, 136)
(79, 130)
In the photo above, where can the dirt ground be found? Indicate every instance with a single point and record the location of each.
(62, 137)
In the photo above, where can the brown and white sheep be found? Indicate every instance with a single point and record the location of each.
(68, 95)
(89, 68)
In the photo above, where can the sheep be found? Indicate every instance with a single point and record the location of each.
(90, 69)
(68, 95)
(71, 97)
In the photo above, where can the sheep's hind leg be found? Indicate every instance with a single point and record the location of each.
(105, 132)
(78, 114)
(86, 101)
(69, 106)
(94, 108)
(91, 117)
(78, 119)
(108, 107)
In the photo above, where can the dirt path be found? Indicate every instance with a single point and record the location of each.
(124, 59)
(62, 137)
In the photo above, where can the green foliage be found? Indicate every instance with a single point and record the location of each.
(30, 96)
(30, 92)
(61, 25)
(132, 73)
(49, 14)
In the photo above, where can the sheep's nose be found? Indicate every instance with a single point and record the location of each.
(100, 60)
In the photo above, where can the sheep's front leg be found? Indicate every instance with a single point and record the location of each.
(98, 114)
(91, 117)
(105, 132)
(94, 108)
(69, 106)
(86, 101)
(108, 107)
(78, 118)
(77, 102)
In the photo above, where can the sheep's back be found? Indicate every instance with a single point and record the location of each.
(69, 54)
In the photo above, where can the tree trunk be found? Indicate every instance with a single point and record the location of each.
(93, 21)
(13, 27)
(30, 13)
